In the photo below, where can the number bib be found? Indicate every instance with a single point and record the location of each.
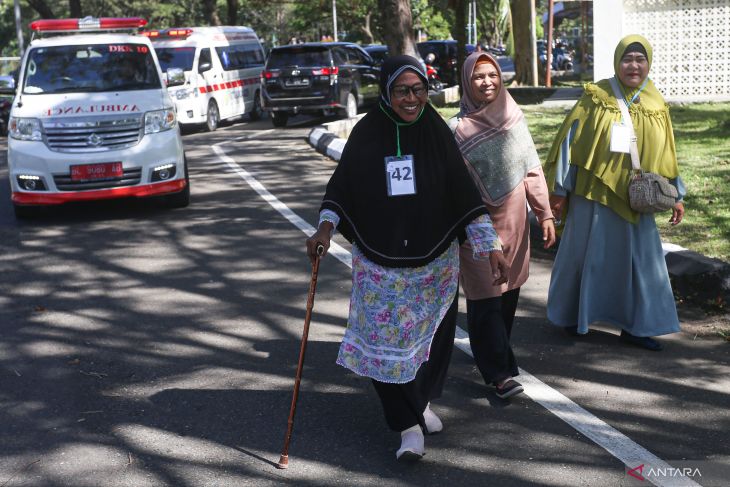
(620, 138)
(400, 175)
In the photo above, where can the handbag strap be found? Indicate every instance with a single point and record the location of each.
(633, 148)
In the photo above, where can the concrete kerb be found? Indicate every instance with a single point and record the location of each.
(696, 279)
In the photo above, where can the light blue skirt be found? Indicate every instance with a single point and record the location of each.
(611, 271)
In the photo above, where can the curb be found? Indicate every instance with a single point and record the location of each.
(696, 279)
(326, 143)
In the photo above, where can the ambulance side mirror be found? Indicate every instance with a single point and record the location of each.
(175, 77)
(7, 85)
(203, 67)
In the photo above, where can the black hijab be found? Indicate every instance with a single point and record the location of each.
(407, 230)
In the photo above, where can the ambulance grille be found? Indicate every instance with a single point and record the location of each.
(93, 136)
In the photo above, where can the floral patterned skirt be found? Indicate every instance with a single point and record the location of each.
(394, 314)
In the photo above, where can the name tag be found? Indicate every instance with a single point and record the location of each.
(620, 138)
(400, 175)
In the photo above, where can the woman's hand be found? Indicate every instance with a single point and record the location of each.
(677, 213)
(500, 267)
(557, 204)
(548, 233)
(321, 237)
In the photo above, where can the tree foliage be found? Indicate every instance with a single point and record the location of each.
(276, 21)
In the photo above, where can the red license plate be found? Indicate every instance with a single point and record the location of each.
(106, 170)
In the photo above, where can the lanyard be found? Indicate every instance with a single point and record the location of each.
(636, 95)
(398, 125)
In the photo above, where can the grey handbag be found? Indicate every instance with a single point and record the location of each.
(648, 192)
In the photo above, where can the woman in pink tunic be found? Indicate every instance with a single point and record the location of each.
(492, 134)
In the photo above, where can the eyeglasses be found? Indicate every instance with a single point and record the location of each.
(401, 91)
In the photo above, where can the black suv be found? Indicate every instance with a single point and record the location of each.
(318, 77)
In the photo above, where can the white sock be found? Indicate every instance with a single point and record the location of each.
(412, 444)
(433, 423)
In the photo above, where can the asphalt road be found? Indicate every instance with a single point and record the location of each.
(141, 346)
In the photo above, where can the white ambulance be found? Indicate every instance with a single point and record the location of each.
(222, 68)
(92, 118)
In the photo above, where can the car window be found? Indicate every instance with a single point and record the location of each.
(240, 56)
(204, 56)
(299, 56)
(339, 56)
(355, 56)
(175, 57)
(89, 68)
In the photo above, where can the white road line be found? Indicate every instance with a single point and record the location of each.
(604, 435)
(335, 250)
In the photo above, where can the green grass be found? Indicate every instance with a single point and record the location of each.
(702, 135)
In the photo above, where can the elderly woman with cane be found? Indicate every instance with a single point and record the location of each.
(402, 195)
(610, 266)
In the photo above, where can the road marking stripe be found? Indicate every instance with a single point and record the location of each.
(604, 435)
(335, 249)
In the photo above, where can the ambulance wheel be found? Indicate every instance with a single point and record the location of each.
(256, 110)
(212, 116)
(279, 118)
(25, 212)
(181, 199)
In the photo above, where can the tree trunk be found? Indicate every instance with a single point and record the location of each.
(367, 32)
(42, 8)
(398, 27)
(520, 10)
(74, 9)
(460, 28)
(232, 12)
(211, 12)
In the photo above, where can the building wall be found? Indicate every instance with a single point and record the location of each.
(691, 41)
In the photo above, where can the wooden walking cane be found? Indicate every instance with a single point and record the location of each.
(284, 459)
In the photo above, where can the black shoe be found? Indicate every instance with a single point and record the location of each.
(509, 389)
(643, 342)
(572, 331)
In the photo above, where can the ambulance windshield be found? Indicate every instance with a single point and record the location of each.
(175, 57)
(90, 68)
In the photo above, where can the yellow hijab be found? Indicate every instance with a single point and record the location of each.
(603, 176)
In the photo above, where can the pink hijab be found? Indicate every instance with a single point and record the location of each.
(494, 139)
(484, 121)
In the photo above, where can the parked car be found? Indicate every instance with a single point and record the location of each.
(222, 68)
(445, 62)
(319, 78)
(378, 52)
(92, 118)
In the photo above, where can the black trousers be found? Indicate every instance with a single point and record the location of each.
(490, 327)
(403, 404)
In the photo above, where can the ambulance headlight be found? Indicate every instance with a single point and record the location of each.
(159, 121)
(30, 182)
(25, 128)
